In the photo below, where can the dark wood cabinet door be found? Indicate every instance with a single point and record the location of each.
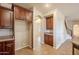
(19, 13)
(49, 22)
(5, 18)
(1, 48)
(9, 47)
(51, 40)
(46, 38)
(16, 12)
(22, 14)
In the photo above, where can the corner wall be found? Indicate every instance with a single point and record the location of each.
(59, 28)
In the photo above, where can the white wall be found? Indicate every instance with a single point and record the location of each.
(59, 28)
(21, 34)
(35, 28)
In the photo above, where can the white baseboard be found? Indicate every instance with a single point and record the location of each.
(21, 47)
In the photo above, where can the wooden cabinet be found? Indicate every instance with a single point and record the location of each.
(48, 39)
(19, 13)
(6, 18)
(16, 12)
(29, 16)
(1, 48)
(22, 14)
(49, 22)
(7, 48)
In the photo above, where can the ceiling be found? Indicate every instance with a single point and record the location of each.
(68, 9)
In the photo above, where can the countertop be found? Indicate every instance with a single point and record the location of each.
(6, 38)
(48, 33)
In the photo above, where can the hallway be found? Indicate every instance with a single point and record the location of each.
(65, 49)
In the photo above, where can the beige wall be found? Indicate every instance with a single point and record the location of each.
(21, 34)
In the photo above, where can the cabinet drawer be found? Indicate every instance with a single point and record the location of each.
(9, 47)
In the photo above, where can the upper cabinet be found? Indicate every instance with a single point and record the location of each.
(19, 13)
(22, 13)
(6, 18)
(49, 22)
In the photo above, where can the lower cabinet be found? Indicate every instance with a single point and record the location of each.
(48, 39)
(7, 48)
(1, 48)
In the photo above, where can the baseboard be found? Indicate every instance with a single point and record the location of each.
(21, 47)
